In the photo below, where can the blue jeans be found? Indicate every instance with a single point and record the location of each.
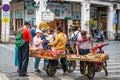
(46, 62)
(37, 61)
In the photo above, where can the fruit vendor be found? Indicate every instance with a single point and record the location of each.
(83, 45)
(60, 44)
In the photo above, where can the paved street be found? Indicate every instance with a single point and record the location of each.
(8, 70)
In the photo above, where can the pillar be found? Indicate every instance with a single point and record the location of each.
(110, 22)
(42, 7)
(85, 15)
(69, 24)
(5, 20)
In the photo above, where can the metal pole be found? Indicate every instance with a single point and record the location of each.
(5, 31)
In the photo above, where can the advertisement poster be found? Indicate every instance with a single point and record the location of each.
(61, 11)
(76, 15)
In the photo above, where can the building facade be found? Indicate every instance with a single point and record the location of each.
(104, 13)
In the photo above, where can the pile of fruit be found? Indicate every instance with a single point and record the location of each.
(95, 57)
(100, 56)
(75, 57)
(53, 54)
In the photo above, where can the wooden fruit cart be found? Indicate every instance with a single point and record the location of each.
(92, 57)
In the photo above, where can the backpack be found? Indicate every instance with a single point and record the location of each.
(74, 38)
(19, 41)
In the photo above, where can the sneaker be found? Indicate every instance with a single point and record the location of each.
(38, 71)
(65, 73)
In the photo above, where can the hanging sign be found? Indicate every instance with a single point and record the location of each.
(47, 16)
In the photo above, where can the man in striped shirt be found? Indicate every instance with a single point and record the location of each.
(83, 45)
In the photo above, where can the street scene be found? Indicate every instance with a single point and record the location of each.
(8, 70)
(59, 39)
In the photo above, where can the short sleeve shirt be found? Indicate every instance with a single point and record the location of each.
(84, 43)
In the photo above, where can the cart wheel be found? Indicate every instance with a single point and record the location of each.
(91, 75)
(51, 72)
(105, 68)
(91, 71)
(51, 68)
(71, 65)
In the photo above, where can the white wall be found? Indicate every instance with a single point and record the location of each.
(30, 13)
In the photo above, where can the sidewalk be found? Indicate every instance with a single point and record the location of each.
(11, 41)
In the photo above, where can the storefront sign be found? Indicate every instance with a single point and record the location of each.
(48, 16)
(60, 11)
(76, 15)
(19, 14)
(115, 19)
(30, 11)
(33, 19)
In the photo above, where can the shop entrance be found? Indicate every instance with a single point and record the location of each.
(99, 16)
(18, 23)
(61, 23)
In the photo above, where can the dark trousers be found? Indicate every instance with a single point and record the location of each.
(83, 52)
(64, 64)
(23, 58)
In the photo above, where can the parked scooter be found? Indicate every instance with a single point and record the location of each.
(100, 36)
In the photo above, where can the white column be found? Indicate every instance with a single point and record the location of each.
(5, 22)
(110, 22)
(85, 15)
(42, 8)
(69, 24)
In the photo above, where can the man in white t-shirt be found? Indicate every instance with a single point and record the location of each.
(83, 45)
(76, 31)
(75, 34)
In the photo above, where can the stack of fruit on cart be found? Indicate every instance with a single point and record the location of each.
(98, 56)
(94, 57)
(53, 54)
(75, 57)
